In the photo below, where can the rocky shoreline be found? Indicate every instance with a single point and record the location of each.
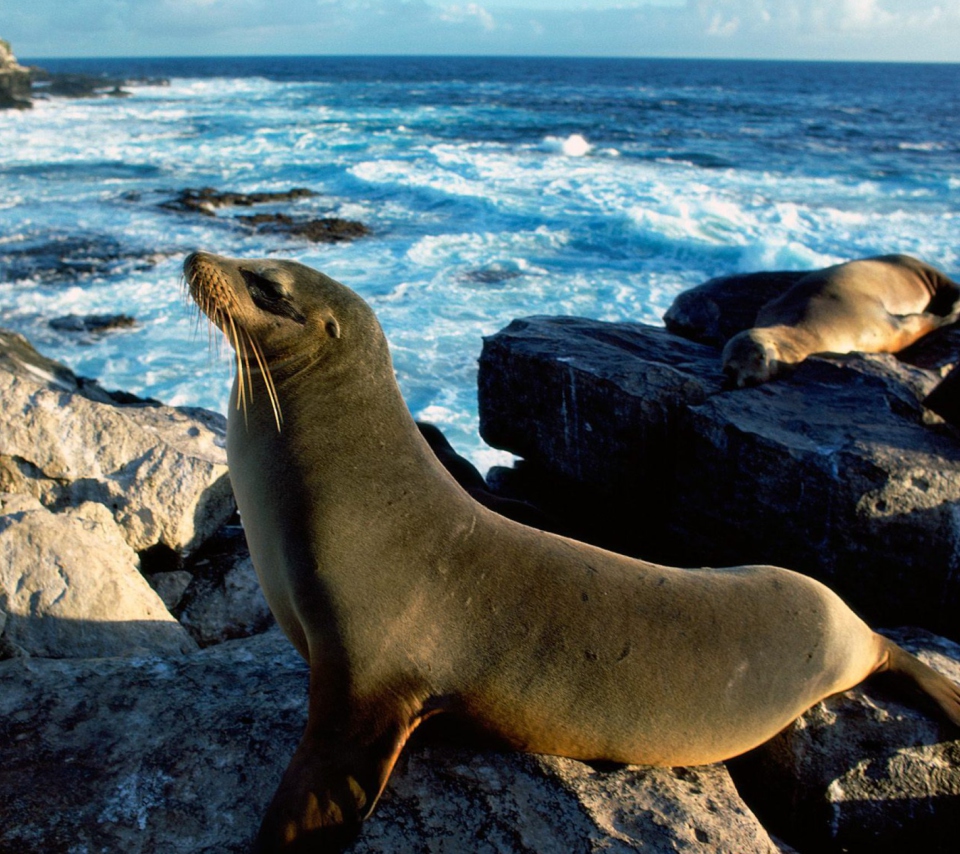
(141, 665)
(21, 85)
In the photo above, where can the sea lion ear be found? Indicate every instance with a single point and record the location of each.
(333, 328)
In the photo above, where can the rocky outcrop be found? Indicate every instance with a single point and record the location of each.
(208, 200)
(161, 472)
(838, 470)
(70, 586)
(14, 80)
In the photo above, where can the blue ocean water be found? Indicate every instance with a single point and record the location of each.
(494, 188)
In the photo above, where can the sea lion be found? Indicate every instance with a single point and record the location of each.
(468, 476)
(875, 305)
(409, 600)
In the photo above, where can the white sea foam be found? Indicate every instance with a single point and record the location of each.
(572, 146)
(471, 227)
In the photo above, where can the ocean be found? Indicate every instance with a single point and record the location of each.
(493, 189)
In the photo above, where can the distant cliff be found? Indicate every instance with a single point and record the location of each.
(14, 80)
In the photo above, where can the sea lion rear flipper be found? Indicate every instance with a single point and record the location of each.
(944, 693)
(910, 328)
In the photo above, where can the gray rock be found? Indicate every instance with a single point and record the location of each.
(863, 771)
(70, 586)
(170, 586)
(444, 799)
(216, 608)
(182, 754)
(836, 471)
(161, 471)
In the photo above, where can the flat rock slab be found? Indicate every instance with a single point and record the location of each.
(182, 754)
(836, 471)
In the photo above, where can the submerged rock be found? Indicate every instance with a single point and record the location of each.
(50, 258)
(92, 324)
(326, 230)
(206, 200)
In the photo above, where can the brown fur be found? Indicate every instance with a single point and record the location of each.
(408, 599)
(876, 305)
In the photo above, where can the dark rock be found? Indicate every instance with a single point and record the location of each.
(715, 311)
(207, 199)
(469, 477)
(79, 85)
(327, 230)
(836, 471)
(93, 324)
(592, 408)
(945, 398)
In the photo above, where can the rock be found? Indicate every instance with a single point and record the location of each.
(207, 199)
(170, 586)
(182, 755)
(836, 471)
(175, 754)
(445, 799)
(327, 230)
(14, 80)
(216, 609)
(863, 771)
(52, 257)
(945, 398)
(70, 586)
(715, 311)
(161, 471)
(92, 324)
(469, 477)
(592, 408)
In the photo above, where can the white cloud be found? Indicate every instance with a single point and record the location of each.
(803, 29)
(472, 11)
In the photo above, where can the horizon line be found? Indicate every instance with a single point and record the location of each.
(352, 55)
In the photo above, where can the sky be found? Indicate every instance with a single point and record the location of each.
(892, 30)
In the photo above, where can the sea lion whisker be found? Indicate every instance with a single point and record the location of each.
(267, 381)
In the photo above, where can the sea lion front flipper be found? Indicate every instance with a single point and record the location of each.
(331, 785)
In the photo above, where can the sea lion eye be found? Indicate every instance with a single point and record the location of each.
(266, 296)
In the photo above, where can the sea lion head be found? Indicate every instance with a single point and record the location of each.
(751, 357)
(280, 317)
